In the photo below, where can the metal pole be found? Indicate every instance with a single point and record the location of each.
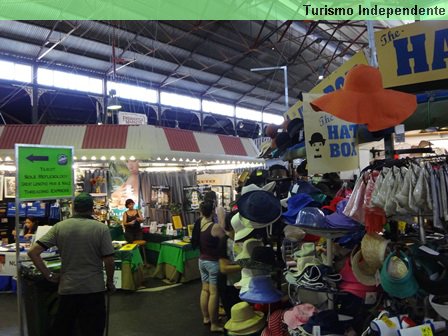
(373, 61)
(285, 74)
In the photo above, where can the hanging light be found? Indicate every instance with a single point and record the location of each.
(113, 103)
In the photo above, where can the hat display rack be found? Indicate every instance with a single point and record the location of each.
(366, 249)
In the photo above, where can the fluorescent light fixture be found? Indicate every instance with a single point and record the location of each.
(132, 157)
(84, 158)
(113, 158)
(93, 158)
(8, 158)
(103, 158)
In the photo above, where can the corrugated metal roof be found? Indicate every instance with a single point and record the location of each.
(181, 140)
(232, 145)
(105, 136)
(21, 134)
(209, 143)
(63, 135)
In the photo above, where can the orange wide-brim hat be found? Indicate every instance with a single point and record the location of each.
(363, 100)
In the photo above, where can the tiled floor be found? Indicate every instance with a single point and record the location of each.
(156, 311)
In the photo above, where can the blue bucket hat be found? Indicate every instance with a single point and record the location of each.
(261, 290)
(401, 288)
(296, 203)
(338, 220)
(311, 217)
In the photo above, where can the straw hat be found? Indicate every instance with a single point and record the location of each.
(243, 318)
(246, 275)
(373, 248)
(364, 272)
(363, 100)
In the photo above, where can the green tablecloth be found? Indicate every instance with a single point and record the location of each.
(176, 255)
(132, 257)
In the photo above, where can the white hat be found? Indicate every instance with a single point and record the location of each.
(251, 187)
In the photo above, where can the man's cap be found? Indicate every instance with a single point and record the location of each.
(83, 201)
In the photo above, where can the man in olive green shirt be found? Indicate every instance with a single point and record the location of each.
(84, 245)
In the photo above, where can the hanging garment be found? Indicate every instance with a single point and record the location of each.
(435, 210)
(443, 190)
(412, 205)
(381, 188)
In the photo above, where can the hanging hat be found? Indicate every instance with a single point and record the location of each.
(306, 250)
(283, 141)
(262, 257)
(275, 326)
(297, 203)
(241, 231)
(403, 287)
(258, 177)
(259, 209)
(246, 275)
(293, 233)
(278, 172)
(350, 283)
(311, 217)
(440, 305)
(373, 248)
(304, 187)
(338, 220)
(299, 315)
(362, 271)
(333, 203)
(271, 130)
(431, 270)
(302, 168)
(295, 130)
(330, 322)
(261, 290)
(362, 100)
(265, 149)
(243, 318)
(270, 187)
(248, 247)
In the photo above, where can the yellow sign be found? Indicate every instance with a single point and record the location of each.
(413, 53)
(331, 83)
(330, 142)
(128, 247)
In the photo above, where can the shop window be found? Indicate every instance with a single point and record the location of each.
(134, 92)
(15, 71)
(182, 101)
(69, 81)
(246, 113)
(218, 108)
(269, 118)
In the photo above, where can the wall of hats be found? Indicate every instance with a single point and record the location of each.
(330, 256)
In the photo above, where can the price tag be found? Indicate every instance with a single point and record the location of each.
(426, 330)
(388, 322)
(402, 226)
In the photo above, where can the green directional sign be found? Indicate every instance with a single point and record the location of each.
(44, 172)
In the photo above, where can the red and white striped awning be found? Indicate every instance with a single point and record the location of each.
(144, 142)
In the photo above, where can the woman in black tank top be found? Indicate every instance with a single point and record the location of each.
(131, 222)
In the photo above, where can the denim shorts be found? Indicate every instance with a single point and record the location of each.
(209, 271)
